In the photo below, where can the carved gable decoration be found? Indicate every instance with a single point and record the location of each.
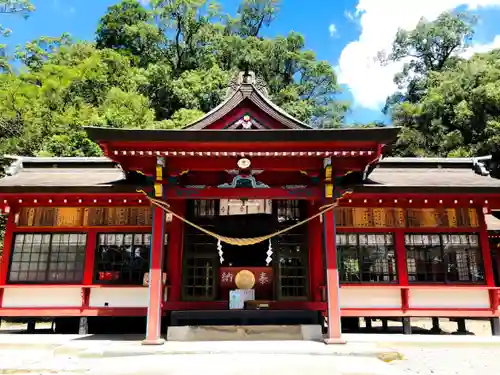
(247, 91)
(247, 122)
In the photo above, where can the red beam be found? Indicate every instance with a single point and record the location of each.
(447, 313)
(264, 193)
(292, 146)
(409, 230)
(223, 305)
(295, 164)
(388, 198)
(75, 311)
(101, 229)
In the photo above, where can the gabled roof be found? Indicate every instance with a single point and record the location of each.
(64, 174)
(102, 175)
(433, 175)
(246, 88)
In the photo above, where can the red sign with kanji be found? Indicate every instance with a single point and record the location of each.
(263, 281)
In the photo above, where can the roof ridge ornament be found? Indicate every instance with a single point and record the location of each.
(247, 77)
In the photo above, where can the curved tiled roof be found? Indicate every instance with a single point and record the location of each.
(248, 91)
(102, 175)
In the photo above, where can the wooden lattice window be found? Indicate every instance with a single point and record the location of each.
(291, 251)
(48, 258)
(444, 258)
(122, 258)
(200, 258)
(368, 258)
(199, 278)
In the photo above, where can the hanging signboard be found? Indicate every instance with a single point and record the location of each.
(263, 280)
(229, 207)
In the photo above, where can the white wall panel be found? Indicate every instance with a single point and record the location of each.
(449, 298)
(119, 297)
(369, 297)
(42, 297)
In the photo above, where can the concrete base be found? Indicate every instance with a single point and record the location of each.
(153, 342)
(83, 327)
(495, 326)
(244, 333)
(335, 341)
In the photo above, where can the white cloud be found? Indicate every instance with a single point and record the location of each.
(369, 82)
(332, 29)
(349, 15)
(481, 48)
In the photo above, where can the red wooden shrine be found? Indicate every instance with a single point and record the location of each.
(408, 239)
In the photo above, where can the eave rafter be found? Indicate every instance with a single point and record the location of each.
(216, 154)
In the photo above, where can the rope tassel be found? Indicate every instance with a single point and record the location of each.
(243, 241)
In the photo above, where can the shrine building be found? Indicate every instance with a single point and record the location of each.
(248, 216)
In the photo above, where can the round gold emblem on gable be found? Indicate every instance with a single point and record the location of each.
(244, 163)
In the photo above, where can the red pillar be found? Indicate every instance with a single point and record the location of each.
(402, 268)
(7, 246)
(153, 330)
(175, 248)
(332, 280)
(7, 250)
(485, 249)
(316, 267)
(400, 248)
(88, 273)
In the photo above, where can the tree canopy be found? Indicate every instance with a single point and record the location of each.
(160, 67)
(166, 65)
(448, 105)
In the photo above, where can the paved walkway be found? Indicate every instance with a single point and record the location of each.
(110, 355)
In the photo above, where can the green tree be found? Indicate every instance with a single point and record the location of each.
(437, 105)
(158, 68)
(252, 16)
(127, 27)
(36, 52)
(430, 47)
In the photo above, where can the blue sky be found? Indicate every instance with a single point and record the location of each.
(360, 29)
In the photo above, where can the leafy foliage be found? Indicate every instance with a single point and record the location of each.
(448, 105)
(162, 67)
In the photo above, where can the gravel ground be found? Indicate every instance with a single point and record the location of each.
(418, 361)
(449, 361)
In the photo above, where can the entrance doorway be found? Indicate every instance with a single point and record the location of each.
(245, 226)
(209, 276)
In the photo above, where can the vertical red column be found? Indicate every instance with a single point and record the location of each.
(316, 267)
(332, 281)
(402, 269)
(485, 249)
(7, 247)
(175, 247)
(153, 328)
(332, 274)
(88, 274)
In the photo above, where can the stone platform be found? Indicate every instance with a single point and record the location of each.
(245, 333)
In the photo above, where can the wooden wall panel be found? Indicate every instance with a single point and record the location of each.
(84, 217)
(365, 217)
